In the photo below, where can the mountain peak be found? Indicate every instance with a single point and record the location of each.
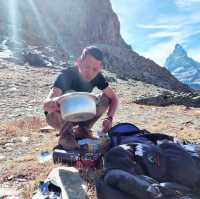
(184, 68)
(179, 51)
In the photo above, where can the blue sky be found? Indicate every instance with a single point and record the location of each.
(153, 27)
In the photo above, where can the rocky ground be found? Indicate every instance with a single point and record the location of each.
(23, 88)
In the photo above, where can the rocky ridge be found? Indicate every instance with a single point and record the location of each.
(85, 23)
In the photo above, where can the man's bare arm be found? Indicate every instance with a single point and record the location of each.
(108, 91)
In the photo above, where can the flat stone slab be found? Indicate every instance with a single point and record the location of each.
(68, 179)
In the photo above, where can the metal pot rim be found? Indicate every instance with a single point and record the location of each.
(65, 96)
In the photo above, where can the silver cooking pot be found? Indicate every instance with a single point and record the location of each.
(77, 106)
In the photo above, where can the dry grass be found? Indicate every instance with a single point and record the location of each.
(29, 170)
(41, 173)
(25, 167)
(28, 123)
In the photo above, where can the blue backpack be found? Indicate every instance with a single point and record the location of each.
(124, 133)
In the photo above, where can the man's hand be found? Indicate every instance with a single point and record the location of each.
(107, 124)
(50, 103)
(51, 106)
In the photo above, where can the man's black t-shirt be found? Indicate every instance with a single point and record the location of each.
(70, 79)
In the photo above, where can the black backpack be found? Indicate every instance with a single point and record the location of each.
(137, 158)
(181, 166)
(119, 184)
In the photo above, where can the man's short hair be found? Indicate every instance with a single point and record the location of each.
(93, 51)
